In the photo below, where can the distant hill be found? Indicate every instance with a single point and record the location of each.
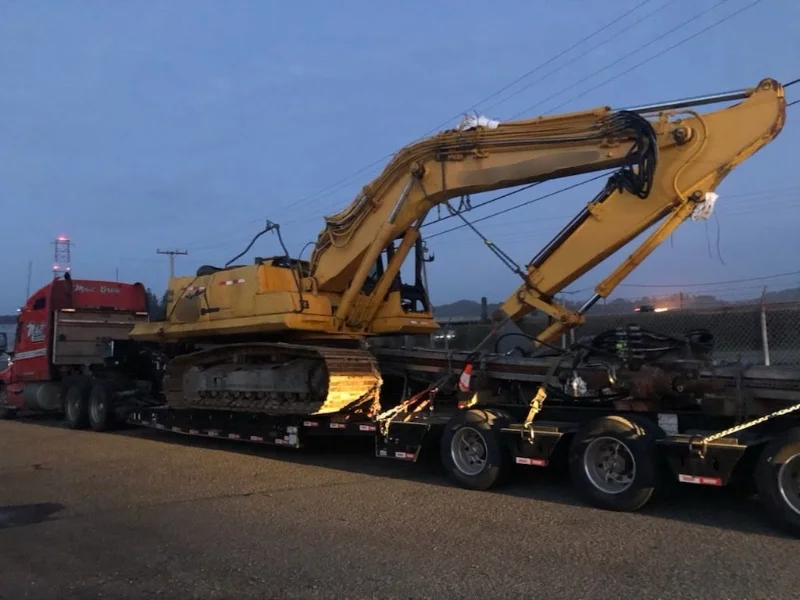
(472, 309)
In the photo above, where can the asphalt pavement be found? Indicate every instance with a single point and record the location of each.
(145, 514)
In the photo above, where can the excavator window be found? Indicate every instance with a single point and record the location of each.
(374, 276)
(413, 297)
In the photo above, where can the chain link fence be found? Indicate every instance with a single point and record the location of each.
(766, 334)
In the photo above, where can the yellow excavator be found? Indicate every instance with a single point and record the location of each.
(284, 336)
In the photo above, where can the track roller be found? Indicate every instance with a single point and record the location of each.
(472, 450)
(614, 464)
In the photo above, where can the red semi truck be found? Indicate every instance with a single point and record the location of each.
(60, 350)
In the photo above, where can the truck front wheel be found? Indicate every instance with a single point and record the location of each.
(6, 412)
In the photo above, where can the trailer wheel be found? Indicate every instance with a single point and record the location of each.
(472, 451)
(613, 462)
(76, 407)
(777, 476)
(101, 406)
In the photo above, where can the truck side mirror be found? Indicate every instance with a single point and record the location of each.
(3, 342)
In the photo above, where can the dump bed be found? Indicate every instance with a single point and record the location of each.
(79, 336)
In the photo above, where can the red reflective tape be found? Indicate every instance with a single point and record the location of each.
(338, 425)
(536, 462)
(310, 424)
(256, 438)
(367, 427)
(233, 436)
(715, 481)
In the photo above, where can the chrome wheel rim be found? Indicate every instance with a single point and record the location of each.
(789, 482)
(469, 451)
(609, 465)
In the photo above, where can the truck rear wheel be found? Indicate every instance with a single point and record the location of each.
(777, 476)
(472, 450)
(102, 415)
(76, 412)
(613, 462)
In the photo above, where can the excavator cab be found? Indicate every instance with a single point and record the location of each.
(413, 297)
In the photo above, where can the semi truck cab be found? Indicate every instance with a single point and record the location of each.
(62, 336)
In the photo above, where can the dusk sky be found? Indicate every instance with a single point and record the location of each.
(132, 126)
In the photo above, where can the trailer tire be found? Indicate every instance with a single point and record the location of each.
(633, 443)
(102, 409)
(472, 451)
(777, 476)
(76, 405)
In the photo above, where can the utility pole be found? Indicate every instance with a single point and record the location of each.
(172, 254)
(28, 288)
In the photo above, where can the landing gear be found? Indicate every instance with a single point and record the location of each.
(472, 450)
(613, 462)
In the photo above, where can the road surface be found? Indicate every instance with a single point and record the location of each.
(144, 514)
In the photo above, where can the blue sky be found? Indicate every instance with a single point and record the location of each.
(132, 126)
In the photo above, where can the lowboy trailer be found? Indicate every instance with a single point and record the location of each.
(724, 425)
(632, 411)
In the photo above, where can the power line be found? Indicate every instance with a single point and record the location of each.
(489, 97)
(620, 59)
(662, 53)
(526, 203)
(709, 284)
(576, 58)
(337, 184)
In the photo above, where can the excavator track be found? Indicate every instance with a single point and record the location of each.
(276, 379)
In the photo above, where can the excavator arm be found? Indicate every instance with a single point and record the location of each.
(695, 153)
(668, 163)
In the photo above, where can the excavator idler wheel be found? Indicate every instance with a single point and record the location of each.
(76, 404)
(777, 476)
(614, 464)
(472, 451)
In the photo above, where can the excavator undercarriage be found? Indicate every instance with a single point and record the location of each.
(275, 378)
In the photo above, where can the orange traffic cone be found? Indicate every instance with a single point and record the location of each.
(463, 381)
